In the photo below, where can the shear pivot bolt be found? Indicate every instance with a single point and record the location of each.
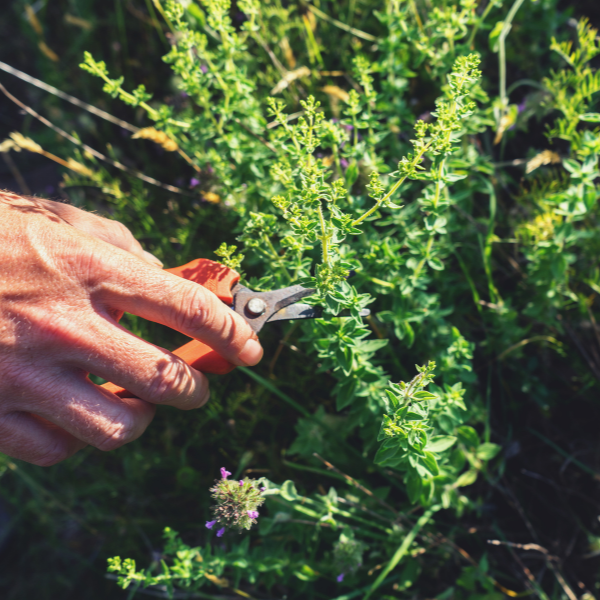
(256, 307)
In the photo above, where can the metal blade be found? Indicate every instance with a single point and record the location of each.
(258, 307)
(297, 311)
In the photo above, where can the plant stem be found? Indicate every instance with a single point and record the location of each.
(417, 15)
(394, 188)
(480, 22)
(422, 263)
(403, 549)
(161, 10)
(352, 30)
(324, 237)
(502, 50)
(487, 250)
(155, 22)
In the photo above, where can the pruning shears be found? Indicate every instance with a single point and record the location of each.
(257, 308)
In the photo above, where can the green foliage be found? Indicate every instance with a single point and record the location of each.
(369, 153)
(318, 199)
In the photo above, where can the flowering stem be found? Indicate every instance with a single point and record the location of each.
(394, 188)
(324, 238)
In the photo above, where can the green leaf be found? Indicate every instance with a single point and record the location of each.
(467, 478)
(413, 486)
(372, 345)
(487, 451)
(590, 117)
(386, 454)
(439, 443)
(571, 165)
(393, 399)
(288, 491)
(495, 35)
(417, 412)
(435, 263)
(346, 393)
(344, 358)
(430, 463)
(351, 174)
(468, 436)
(306, 573)
(423, 395)
(452, 177)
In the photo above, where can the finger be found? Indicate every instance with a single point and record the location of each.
(107, 230)
(179, 304)
(151, 373)
(31, 438)
(88, 412)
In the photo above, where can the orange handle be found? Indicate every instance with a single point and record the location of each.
(218, 279)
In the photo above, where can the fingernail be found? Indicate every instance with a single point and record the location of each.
(251, 353)
(152, 259)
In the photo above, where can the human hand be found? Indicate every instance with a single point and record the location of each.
(66, 277)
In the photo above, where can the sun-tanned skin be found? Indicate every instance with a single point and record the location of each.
(66, 277)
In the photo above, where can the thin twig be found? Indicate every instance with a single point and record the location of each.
(363, 508)
(79, 103)
(256, 135)
(550, 560)
(282, 343)
(535, 547)
(355, 483)
(93, 152)
(282, 70)
(511, 163)
(52, 90)
(289, 118)
(531, 581)
(357, 32)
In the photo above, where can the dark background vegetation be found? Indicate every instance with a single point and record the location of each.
(58, 525)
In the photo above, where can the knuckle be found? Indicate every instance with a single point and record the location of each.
(52, 455)
(171, 382)
(197, 311)
(120, 230)
(119, 432)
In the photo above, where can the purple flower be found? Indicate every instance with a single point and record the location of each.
(344, 163)
(340, 578)
(210, 524)
(348, 127)
(194, 182)
(521, 107)
(225, 473)
(221, 532)
(241, 482)
(262, 489)
(253, 514)
(204, 69)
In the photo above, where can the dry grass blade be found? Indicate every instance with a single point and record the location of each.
(550, 559)
(357, 32)
(290, 77)
(91, 150)
(60, 94)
